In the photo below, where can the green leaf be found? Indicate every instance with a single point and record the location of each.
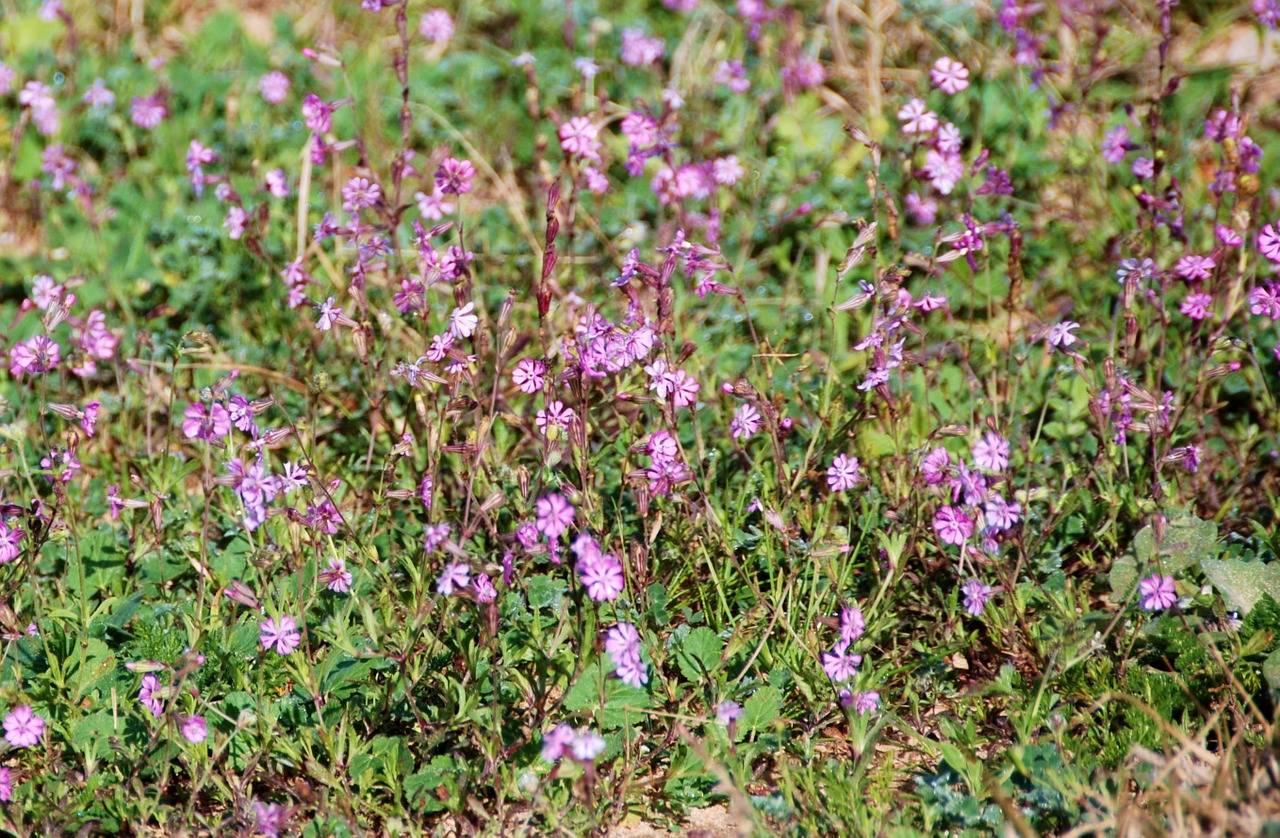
(1243, 583)
(616, 704)
(1271, 670)
(760, 711)
(699, 654)
(545, 592)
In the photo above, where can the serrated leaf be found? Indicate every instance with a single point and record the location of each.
(1243, 583)
(622, 704)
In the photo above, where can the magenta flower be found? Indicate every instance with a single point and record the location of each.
(1194, 266)
(991, 453)
(455, 577)
(360, 193)
(199, 423)
(852, 624)
(454, 176)
(935, 465)
(1196, 306)
(866, 702)
(952, 525)
(1228, 236)
(147, 695)
(639, 49)
(148, 111)
(35, 355)
(1115, 144)
(578, 136)
(746, 421)
(1157, 593)
(6, 785)
(949, 75)
(684, 389)
(839, 665)
(483, 586)
(554, 415)
(10, 543)
(555, 514)
(195, 730)
(844, 473)
(555, 741)
(602, 576)
(281, 635)
(623, 645)
(317, 114)
(463, 321)
(22, 727)
(529, 375)
(1269, 242)
(337, 578)
(976, 594)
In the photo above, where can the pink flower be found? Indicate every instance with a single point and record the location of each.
(555, 515)
(1228, 236)
(147, 695)
(10, 543)
(639, 49)
(1115, 145)
(148, 111)
(1196, 306)
(1269, 243)
(99, 96)
(623, 645)
(943, 170)
(22, 727)
(329, 314)
(436, 26)
(35, 355)
(359, 193)
(601, 574)
(317, 114)
(554, 415)
(578, 136)
(337, 578)
(454, 577)
(6, 785)
(917, 118)
(1193, 266)
(195, 730)
(991, 452)
(274, 87)
(1157, 593)
(839, 665)
(433, 207)
(529, 375)
(924, 211)
(976, 593)
(684, 389)
(952, 525)
(1060, 334)
(463, 321)
(281, 635)
(454, 176)
(844, 473)
(211, 424)
(728, 712)
(949, 75)
(934, 466)
(746, 421)
(727, 171)
(483, 585)
(866, 702)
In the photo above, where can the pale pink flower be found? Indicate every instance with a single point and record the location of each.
(949, 75)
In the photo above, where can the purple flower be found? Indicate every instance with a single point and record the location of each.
(844, 473)
(199, 423)
(976, 593)
(274, 87)
(1060, 334)
(195, 730)
(10, 543)
(991, 452)
(1194, 266)
(852, 624)
(952, 525)
(454, 176)
(728, 712)
(529, 375)
(148, 111)
(746, 421)
(1269, 242)
(22, 727)
(623, 645)
(1157, 593)
(6, 785)
(839, 665)
(337, 578)
(147, 695)
(934, 466)
(35, 355)
(317, 114)
(866, 702)
(555, 741)
(602, 575)
(1115, 144)
(555, 514)
(454, 577)
(281, 635)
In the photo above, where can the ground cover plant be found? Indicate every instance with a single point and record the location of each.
(572, 418)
